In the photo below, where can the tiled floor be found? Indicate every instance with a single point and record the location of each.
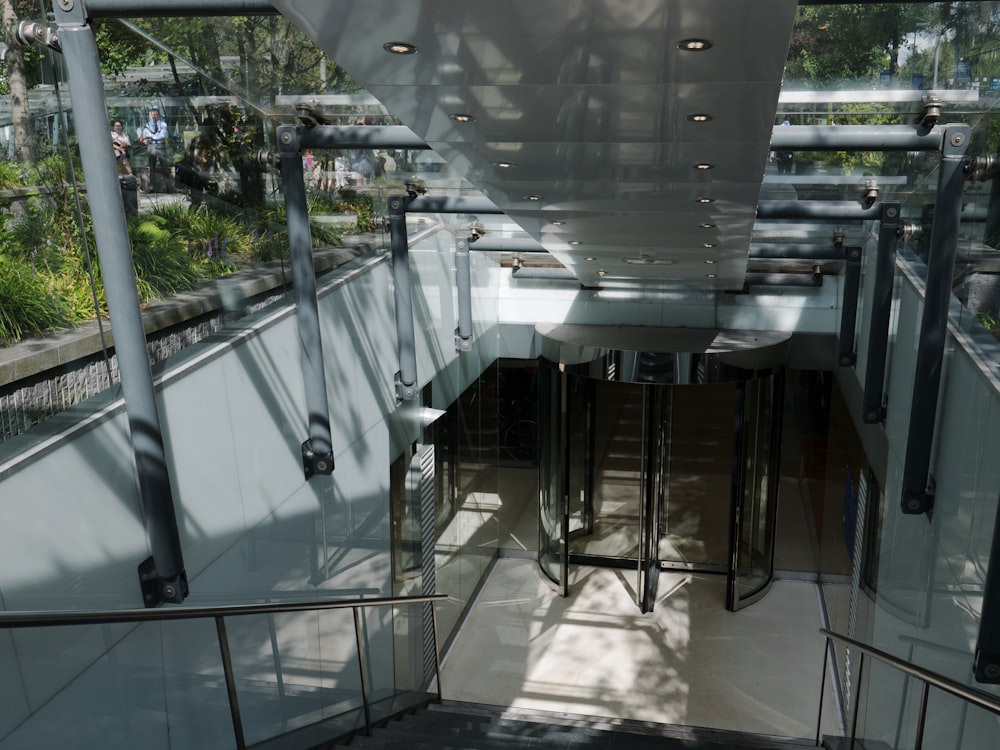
(689, 662)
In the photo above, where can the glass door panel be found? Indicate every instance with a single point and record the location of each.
(618, 424)
(697, 464)
(553, 535)
(754, 491)
(650, 504)
(580, 451)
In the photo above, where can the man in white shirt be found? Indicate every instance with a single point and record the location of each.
(154, 136)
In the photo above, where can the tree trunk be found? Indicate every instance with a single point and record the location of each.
(24, 144)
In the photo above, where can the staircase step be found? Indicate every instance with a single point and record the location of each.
(455, 725)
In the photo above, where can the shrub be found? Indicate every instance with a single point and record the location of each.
(27, 303)
(162, 264)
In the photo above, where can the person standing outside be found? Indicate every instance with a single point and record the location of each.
(154, 136)
(123, 149)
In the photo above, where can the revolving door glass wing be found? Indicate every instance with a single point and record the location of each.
(673, 472)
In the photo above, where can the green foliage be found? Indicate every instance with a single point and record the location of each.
(27, 303)
(120, 49)
(989, 320)
(10, 175)
(869, 162)
(47, 274)
(162, 264)
(362, 204)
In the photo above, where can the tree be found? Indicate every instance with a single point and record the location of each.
(834, 44)
(17, 83)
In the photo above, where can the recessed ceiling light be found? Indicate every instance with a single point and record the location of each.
(602, 272)
(462, 117)
(707, 225)
(703, 166)
(532, 197)
(557, 223)
(694, 45)
(504, 164)
(700, 117)
(575, 242)
(706, 200)
(707, 244)
(399, 48)
(709, 275)
(709, 261)
(590, 258)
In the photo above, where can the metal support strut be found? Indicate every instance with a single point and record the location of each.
(918, 481)
(317, 450)
(873, 406)
(162, 576)
(846, 356)
(406, 378)
(463, 286)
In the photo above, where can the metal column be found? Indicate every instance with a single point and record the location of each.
(162, 575)
(918, 482)
(463, 288)
(406, 378)
(873, 405)
(317, 450)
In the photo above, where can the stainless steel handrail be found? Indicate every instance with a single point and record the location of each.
(927, 678)
(42, 619)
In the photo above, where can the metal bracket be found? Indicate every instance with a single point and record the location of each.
(316, 463)
(846, 356)
(157, 590)
(404, 391)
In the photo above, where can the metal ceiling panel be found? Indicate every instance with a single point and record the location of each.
(592, 102)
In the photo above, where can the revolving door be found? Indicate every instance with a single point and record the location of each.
(662, 460)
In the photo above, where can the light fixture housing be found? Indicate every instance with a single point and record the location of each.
(694, 45)
(700, 117)
(400, 48)
(703, 199)
(706, 225)
(462, 117)
(703, 166)
(504, 164)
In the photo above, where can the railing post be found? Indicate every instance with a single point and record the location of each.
(857, 702)
(227, 668)
(363, 671)
(437, 650)
(822, 689)
(918, 742)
